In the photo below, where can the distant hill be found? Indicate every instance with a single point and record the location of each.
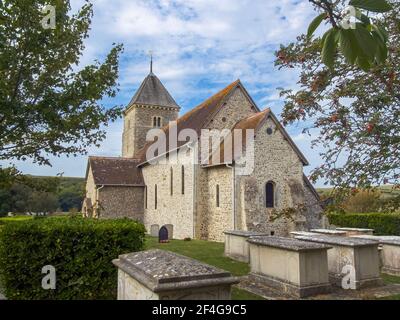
(63, 194)
(386, 191)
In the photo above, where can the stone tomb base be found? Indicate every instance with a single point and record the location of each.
(163, 275)
(389, 253)
(293, 267)
(360, 255)
(236, 245)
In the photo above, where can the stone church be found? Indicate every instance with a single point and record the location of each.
(195, 200)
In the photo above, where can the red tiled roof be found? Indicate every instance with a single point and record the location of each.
(116, 171)
(196, 118)
(253, 122)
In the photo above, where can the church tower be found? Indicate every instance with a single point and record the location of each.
(151, 107)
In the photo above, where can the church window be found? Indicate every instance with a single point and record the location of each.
(155, 197)
(183, 179)
(171, 182)
(157, 122)
(269, 194)
(270, 131)
(217, 195)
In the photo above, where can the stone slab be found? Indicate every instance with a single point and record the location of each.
(286, 243)
(161, 270)
(339, 241)
(247, 234)
(395, 240)
(303, 233)
(356, 231)
(330, 232)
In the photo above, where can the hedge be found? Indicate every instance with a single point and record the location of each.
(382, 223)
(81, 250)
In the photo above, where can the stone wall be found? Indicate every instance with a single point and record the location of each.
(237, 107)
(216, 219)
(120, 202)
(276, 161)
(314, 214)
(176, 209)
(138, 121)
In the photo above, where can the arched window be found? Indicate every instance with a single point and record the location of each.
(171, 182)
(269, 195)
(157, 123)
(217, 195)
(155, 197)
(183, 179)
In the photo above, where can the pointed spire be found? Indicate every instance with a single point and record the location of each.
(151, 61)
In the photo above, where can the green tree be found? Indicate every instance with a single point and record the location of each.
(70, 199)
(49, 103)
(42, 202)
(354, 113)
(354, 30)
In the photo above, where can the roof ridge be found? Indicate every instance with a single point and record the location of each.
(230, 86)
(114, 158)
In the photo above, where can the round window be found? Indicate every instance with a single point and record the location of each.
(270, 131)
(223, 119)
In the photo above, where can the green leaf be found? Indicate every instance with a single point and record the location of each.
(384, 33)
(329, 48)
(363, 63)
(365, 41)
(315, 24)
(372, 5)
(382, 52)
(364, 19)
(348, 45)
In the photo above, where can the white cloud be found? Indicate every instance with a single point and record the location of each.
(200, 46)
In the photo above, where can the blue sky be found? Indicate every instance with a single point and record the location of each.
(199, 46)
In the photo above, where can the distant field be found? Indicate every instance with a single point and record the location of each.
(386, 191)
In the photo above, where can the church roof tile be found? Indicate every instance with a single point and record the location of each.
(110, 171)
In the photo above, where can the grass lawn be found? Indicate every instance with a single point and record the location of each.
(208, 252)
(388, 279)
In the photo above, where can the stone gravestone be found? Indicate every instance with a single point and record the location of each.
(154, 229)
(163, 235)
(164, 275)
